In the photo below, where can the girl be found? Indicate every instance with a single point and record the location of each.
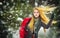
(30, 26)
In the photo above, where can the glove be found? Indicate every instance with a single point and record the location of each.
(52, 16)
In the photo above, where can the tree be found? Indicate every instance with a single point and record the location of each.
(12, 13)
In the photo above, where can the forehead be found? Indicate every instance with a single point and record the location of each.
(35, 10)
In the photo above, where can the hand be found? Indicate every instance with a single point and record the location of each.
(52, 16)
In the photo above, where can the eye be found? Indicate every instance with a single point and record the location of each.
(37, 12)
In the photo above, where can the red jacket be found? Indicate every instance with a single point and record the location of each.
(22, 31)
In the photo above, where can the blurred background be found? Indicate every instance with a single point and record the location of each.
(12, 13)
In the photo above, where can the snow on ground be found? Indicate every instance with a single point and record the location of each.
(16, 34)
(41, 33)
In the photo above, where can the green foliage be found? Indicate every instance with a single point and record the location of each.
(12, 10)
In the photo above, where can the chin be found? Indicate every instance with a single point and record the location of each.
(36, 17)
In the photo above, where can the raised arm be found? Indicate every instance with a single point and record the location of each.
(49, 23)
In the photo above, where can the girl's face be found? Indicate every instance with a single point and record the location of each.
(36, 13)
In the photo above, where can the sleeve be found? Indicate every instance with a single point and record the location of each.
(22, 33)
(46, 26)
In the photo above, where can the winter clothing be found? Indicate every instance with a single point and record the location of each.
(26, 33)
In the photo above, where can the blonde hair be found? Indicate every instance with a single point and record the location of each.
(42, 16)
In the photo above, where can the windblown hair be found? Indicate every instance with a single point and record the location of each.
(43, 18)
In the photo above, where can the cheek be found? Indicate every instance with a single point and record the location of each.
(38, 14)
(34, 14)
